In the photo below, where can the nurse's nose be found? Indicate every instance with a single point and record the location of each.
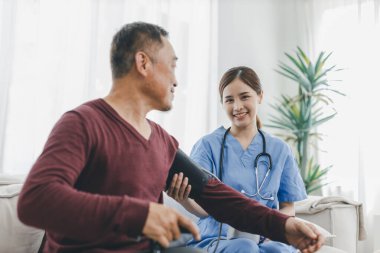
(238, 105)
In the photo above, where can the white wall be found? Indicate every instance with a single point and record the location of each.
(256, 33)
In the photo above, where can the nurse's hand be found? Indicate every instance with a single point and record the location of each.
(179, 188)
(303, 236)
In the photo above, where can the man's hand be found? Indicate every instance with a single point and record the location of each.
(163, 224)
(179, 188)
(303, 236)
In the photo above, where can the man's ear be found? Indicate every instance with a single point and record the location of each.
(142, 62)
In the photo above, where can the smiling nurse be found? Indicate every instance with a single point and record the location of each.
(248, 159)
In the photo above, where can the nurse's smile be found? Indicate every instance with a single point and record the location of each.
(241, 115)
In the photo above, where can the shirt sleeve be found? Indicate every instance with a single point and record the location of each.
(50, 201)
(201, 154)
(292, 187)
(231, 207)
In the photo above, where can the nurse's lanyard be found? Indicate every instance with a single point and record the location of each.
(258, 188)
(262, 154)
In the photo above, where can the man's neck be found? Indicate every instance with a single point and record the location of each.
(127, 101)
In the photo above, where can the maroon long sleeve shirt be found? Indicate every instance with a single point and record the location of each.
(90, 188)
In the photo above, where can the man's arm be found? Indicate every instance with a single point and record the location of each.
(229, 206)
(179, 190)
(49, 200)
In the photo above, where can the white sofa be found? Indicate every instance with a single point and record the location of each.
(15, 237)
(340, 216)
(18, 238)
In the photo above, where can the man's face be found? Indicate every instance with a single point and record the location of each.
(162, 80)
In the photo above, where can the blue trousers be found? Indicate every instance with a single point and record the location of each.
(244, 245)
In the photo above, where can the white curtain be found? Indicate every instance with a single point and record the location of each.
(54, 56)
(351, 30)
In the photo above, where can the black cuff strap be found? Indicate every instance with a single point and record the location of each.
(197, 176)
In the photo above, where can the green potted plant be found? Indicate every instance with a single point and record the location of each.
(299, 116)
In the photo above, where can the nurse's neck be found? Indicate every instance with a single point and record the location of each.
(244, 135)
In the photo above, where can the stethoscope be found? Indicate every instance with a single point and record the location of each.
(263, 154)
(258, 188)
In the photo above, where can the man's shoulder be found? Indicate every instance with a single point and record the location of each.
(158, 128)
(90, 112)
(89, 107)
(86, 115)
(162, 133)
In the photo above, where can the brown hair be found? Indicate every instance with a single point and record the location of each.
(247, 76)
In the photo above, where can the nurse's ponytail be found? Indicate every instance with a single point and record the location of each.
(258, 123)
(247, 76)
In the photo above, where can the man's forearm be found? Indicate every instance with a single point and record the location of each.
(61, 209)
(229, 206)
(226, 204)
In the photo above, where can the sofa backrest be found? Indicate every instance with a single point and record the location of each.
(15, 237)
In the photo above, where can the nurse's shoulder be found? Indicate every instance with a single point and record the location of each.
(212, 140)
(206, 149)
(276, 143)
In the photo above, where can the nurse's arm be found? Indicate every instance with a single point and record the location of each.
(287, 208)
(192, 206)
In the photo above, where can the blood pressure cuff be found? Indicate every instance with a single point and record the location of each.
(198, 178)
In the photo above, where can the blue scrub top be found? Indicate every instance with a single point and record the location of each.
(284, 182)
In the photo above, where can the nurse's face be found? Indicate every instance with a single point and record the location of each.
(240, 102)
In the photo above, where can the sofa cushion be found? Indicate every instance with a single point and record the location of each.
(15, 237)
(11, 179)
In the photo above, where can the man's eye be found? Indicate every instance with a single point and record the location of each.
(228, 101)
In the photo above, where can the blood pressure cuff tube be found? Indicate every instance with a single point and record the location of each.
(197, 177)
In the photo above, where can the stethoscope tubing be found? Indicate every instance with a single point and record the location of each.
(258, 188)
(262, 154)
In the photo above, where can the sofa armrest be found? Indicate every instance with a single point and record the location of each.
(340, 220)
(15, 237)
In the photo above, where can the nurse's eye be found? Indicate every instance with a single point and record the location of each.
(245, 97)
(228, 100)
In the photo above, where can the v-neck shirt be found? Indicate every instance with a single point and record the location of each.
(92, 185)
(115, 170)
